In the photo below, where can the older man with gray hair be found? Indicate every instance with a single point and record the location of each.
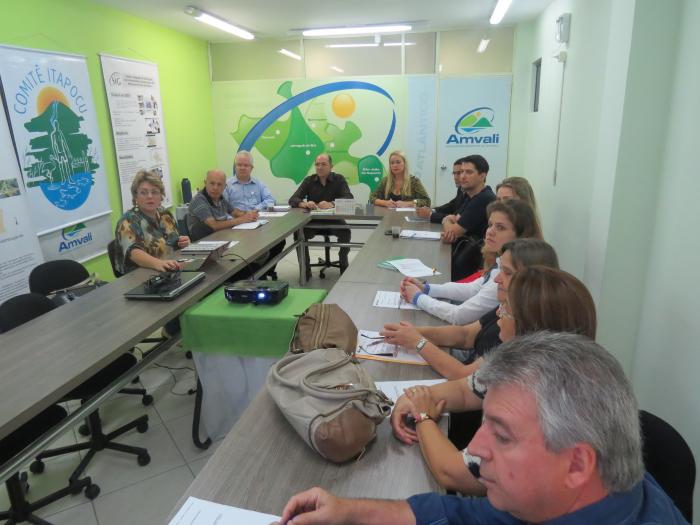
(559, 444)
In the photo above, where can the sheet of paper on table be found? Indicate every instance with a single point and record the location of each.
(197, 511)
(271, 214)
(370, 345)
(403, 209)
(420, 235)
(413, 267)
(250, 225)
(415, 219)
(281, 207)
(394, 389)
(392, 300)
(319, 211)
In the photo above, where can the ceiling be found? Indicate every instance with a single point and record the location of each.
(283, 18)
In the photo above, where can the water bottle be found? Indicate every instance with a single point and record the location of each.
(186, 190)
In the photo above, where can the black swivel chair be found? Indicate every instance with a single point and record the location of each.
(326, 262)
(669, 459)
(59, 275)
(13, 313)
(39, 304)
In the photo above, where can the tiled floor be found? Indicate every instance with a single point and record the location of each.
(131, 494)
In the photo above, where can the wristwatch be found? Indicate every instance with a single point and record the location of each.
(423, 416)
(421, 343)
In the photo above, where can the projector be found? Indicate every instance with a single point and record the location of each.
(256, 292)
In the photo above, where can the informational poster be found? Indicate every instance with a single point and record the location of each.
(133, 95)
(19, 249)
(473, 119)
(52, 116)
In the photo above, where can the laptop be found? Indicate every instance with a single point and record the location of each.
(167, 291)
(195, 263)
(213, 250)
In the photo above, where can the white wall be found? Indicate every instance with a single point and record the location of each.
(622, 214)
(667, 360)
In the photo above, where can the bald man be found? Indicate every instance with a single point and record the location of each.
(209, 210)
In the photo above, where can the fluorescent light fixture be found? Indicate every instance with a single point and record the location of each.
(218, 23)
(391, 44)
(288, 53)
(499, 11)
(368, 44)
(483, 45)
(361, 30)
(336, 68)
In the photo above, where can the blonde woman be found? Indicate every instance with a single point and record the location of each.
(399, 189)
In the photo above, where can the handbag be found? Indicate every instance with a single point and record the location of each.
(324, 326)
(330, 401)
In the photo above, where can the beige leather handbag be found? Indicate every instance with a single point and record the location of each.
(330, 400)
(324, 326)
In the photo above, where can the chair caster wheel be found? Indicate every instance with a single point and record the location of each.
(37, 467)
(147, 400)
(188, 354)
(143, 459)
(142, 427)
(92, 491)
(84, 430)
(322, 275)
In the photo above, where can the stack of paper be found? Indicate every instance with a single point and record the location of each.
(270, 214)
(281, 207)
(417, 234)
(392, 300)
(327, 211)
(370, 345)
(387, 264)
(413, 267)
(250, 225)
(197, 511)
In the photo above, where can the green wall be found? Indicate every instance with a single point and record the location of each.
(82, 27)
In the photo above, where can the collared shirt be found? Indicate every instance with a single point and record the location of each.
(448, 208)
(246, 196)
(203, 207)
(137, 230)
(472, 214)
(645, 504)
(311, 189)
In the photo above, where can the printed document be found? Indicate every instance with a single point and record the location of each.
(392, 300)
(271, 214)
(413, 267)
(250, 225)
(394, 389)
(421, 235)
(403, 209)
(197, 511)
(371, 345)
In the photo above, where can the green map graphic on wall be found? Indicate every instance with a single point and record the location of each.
(61, 165)
(291, 145)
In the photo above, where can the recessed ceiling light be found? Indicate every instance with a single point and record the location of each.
(483, 45)
(499, 11)
(391, 44)
(336, 68)
(368, 44)
(360, 30)
(218, 23)
(288, 53)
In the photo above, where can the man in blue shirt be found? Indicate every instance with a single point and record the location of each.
(559, 445)
(245, 193)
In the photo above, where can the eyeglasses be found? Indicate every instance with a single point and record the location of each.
(503, 312)
(146, 193)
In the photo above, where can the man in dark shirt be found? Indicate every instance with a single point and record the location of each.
(319, 191)
(559, 443)
(471, 218)
(437, 214)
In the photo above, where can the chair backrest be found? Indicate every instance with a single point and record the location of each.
(112, 248)
(22, 308)
(56, 275)
(669, 459)
(199, 230)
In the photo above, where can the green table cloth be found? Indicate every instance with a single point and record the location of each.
(215, 325)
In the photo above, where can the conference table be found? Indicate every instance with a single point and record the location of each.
(262, 462)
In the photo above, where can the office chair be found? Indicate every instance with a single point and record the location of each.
(64, 273)
(199, 231)
(466, 257)
(326, 262)
(13, 313)
(668, 458)
(28, 306)
(112, 248)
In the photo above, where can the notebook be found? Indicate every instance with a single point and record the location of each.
(166, 292)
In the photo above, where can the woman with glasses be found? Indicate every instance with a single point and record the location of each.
(538, 298)
(147, 233)
(469, 343)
